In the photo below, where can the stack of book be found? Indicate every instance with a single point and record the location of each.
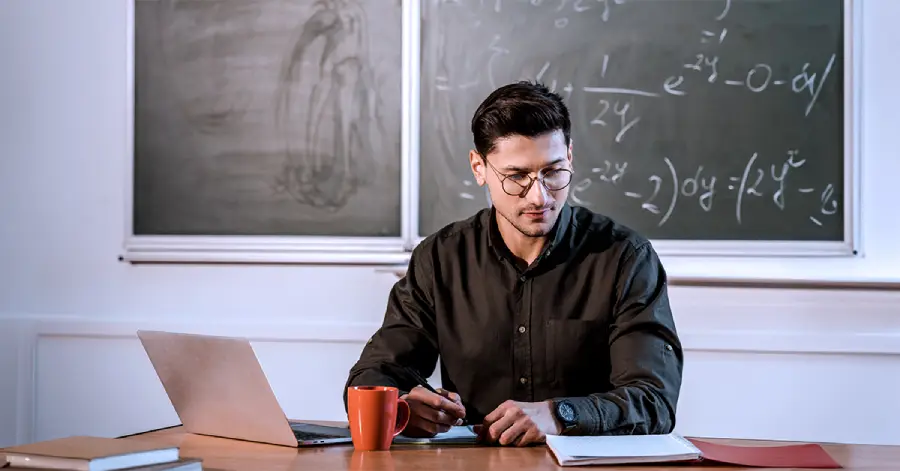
(85, 453)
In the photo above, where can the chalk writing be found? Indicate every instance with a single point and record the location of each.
(829, 204)
(724, 11)
(620, 109)
(676, 116)
(778, 197)
(758, 78)
(701, 185)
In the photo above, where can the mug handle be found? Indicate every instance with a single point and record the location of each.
(402, 416)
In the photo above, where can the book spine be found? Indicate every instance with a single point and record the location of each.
(687, 443)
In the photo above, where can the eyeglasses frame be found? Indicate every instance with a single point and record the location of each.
(525, 189)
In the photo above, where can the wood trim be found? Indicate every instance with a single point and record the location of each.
(739, 339)
(761, 283)
(786, 284)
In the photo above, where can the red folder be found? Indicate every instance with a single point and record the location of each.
(777, 456)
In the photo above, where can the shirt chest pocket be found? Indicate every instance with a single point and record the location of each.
(577, 353)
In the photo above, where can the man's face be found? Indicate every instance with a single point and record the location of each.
(512, 165)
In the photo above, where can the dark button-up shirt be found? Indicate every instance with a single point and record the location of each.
(588, 321)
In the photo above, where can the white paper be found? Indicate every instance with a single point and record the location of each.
(621, 446)
(621, 449)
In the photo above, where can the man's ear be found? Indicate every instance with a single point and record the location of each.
(478, 167)
(569, 156)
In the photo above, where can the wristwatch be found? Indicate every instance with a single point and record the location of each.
(566, 414)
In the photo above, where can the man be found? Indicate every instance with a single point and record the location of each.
(547, 318)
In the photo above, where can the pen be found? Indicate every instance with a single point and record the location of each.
(416, 377)
(424, 383)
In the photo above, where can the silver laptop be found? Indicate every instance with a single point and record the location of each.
(218, 388)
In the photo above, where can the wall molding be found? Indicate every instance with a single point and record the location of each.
(797, 342)
(34, 329)
(258, 330)
(776, 340)
(780, 282)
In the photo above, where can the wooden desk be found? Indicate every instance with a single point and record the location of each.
(235, 455)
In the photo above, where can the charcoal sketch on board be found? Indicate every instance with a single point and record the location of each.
(267, 117)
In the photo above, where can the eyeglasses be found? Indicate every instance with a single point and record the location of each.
(518, 184)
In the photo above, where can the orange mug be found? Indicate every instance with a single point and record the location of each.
(376, 414)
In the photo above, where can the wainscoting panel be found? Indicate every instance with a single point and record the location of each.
(101, 382)
(791, 371)
(102, 386)
(843, 398)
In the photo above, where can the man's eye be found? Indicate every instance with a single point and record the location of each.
(517, 177)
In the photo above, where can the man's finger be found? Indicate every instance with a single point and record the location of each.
(427, 412)
(496, 414)
(436, 401)
(497, 428)
(516, 430)
(453, 408)
(531, 436)
(455, 398)
(449, 395)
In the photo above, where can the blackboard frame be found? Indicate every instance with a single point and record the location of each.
(394, 251)
(240, 249)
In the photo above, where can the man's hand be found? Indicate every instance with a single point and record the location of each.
(519, 423)
(430, 413)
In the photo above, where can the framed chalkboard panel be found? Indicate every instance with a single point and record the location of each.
(266, 130)
(337, 131)
(710, 126)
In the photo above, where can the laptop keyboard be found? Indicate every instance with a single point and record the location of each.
(314, 436)
(314, 432)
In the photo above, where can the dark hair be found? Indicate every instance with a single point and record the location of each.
(523, 108)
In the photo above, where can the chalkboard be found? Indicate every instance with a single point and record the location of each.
(692, 119)
(267, 117)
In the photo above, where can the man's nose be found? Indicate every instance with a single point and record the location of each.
(537, 195)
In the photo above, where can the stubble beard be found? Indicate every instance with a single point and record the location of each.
(531, 232)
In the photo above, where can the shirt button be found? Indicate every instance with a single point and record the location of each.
(523, 380)
(522, 329)
(668, 347)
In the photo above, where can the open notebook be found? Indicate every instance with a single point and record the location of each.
(671, 448)
(457, 435)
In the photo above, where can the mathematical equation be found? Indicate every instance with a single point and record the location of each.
(700, 185)
(590, 80)
(753, 182)
(705, 64)
(758, 77)
(561, 7)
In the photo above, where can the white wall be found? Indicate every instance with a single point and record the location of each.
(803, 365)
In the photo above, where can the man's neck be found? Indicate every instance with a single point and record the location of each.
(523, 248)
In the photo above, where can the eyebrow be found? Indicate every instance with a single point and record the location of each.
(513, 168)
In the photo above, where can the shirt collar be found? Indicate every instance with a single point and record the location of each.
(557, 234)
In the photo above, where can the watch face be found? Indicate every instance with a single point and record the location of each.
(566, 412)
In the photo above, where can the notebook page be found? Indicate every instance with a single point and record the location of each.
(622, 446)
(456, 435)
